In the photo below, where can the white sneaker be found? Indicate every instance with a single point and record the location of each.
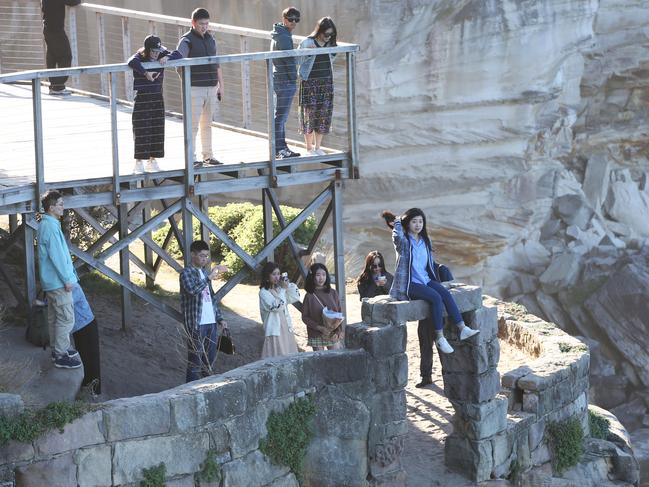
(443, 345)
(151, 165)
(320, 152)
(139, 167)
(468, 332)
(312, 152)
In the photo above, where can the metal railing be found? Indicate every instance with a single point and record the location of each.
(241, 112)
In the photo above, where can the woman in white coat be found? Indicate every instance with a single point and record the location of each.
(275, 294)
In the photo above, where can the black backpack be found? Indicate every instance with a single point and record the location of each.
(38, 332)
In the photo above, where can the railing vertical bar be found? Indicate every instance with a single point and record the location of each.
(351, 115)
(187, 132)
(37, 106)
(245, 85)
(153, 29)
(126, 53)
(271, 123)
(30, 267)
(339, 250)
(101, 32)
(114, 139)
(74, 41)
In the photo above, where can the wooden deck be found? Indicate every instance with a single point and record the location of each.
(77, 149)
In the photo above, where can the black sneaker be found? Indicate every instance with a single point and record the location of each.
(292, 153)
(210, 161)
(282, 154)
(61, 92)
(198, 164)
(72, 353)
(66, 362)
(425, 381)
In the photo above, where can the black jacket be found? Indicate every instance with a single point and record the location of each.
(53, 12)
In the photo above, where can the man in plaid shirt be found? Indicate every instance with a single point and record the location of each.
(200, 311)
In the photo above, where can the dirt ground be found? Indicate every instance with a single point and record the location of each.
(149, 356)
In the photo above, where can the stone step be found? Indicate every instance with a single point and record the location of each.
(41, 383)
(382, 310)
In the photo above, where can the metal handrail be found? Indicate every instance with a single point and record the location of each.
(123, 67)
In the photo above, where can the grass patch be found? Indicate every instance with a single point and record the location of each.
(599, 425)
(29, 425)
(566, 440)
(210, 469)
(289, 435)
(566, 348)
(154, 476)
(97, 282)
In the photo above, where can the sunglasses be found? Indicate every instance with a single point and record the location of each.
(327, 35)
(293, 19)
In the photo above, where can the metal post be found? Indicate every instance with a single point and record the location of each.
(204, 205)
(101, 32)
(153, 28)
(74, 43)
(268, 218)
(339, 251)
(188, 232)
(271, 123)
(187, 131)
(114, 140)
(38, 140)
(245, 85)
(351, 115)
(124, 264)
(30, 272)
(126, 53)
(13, 222)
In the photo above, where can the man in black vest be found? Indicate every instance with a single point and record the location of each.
(207, 82)
(58, 53)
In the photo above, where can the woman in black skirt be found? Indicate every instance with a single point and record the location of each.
(317, 86)
(149, 110)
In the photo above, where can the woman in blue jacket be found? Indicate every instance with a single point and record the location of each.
(415, 276)
(316, 99)
(149, 109)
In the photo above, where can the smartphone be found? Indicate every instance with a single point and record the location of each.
(218, 96)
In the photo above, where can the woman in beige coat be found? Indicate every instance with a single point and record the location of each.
(275, 294)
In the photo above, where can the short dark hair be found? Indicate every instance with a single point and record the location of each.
(50, 198)
(309, 282)
(266, 271)
(290, 12)
(200, 13)
(199, 246)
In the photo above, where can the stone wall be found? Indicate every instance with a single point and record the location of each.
(359, 425)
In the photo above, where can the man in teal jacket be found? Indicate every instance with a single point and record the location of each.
(57, 279)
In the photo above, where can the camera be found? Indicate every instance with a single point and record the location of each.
(284, 276)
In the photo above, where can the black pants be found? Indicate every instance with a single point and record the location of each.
(86, 341)
(426, 334)
(149, 125)
(58, 55)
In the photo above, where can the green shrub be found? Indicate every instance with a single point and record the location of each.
(244, 223)
(566, 440)
(29, 425)
(289, 435)
(599, 426)
(154, 476)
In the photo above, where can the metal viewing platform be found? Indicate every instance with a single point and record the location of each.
(82, 145)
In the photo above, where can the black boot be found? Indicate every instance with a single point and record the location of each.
(425, 381)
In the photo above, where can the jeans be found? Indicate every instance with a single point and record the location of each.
(201, 345)
(436, 295)
(284, 93)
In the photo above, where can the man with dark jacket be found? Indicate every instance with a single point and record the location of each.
(59, 54)
(284, 78)
(207, 82)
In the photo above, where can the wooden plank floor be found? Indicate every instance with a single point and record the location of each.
(77, 139)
